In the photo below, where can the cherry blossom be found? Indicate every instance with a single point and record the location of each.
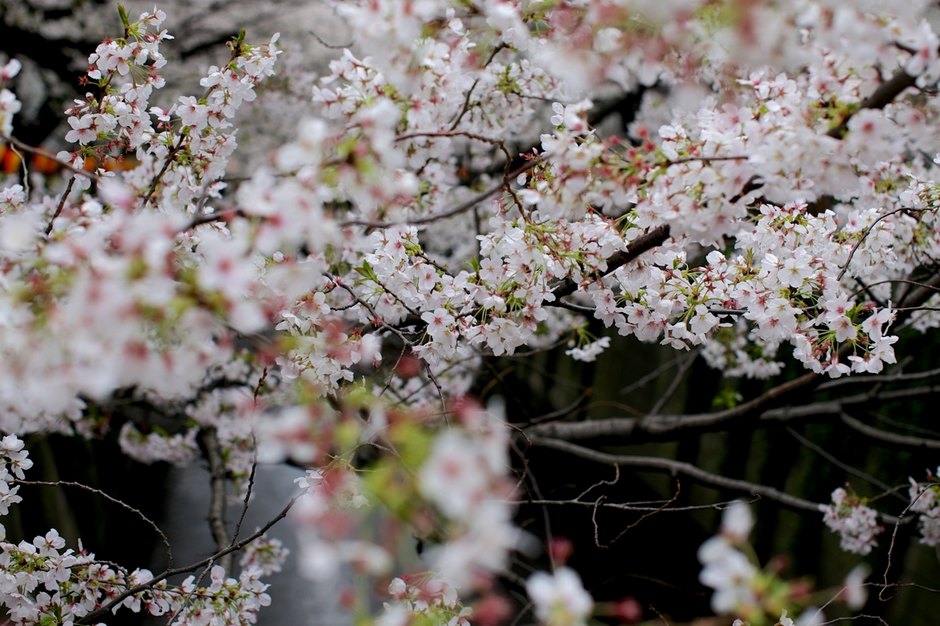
(856, 523)
(924, 501)
(727, 569)
(453, 188)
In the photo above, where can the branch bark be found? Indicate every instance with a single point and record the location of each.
(638, 246)
(906, 441)
(658, 425)
(209, 439)
(662, 426)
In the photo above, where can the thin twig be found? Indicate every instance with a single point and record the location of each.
(437, 386)
(706, 159)
(681, 467)
(466, 101)
(879, 378)
(95, 615)
(651, 376)
(619, 506)
(25, 147)
(109, 498)
(60, 206)
(248, 491)
(23, 167)
(170, 158)
(840, 464)
(675, 382)
(891, 544)
(864, 236)
(208, 218)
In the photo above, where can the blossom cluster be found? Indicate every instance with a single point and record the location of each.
(9, 105)
(42, 577)
(449, 486)
(854, 521)
(577, 174)
(423, 597)
(466, 478)
(924, 500)
(757, 596)
(455, 189)
(14, 461)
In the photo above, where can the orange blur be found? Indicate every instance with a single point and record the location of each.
(11, 163)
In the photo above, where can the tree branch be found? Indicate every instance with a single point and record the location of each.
(109, 498)
(638, 246)
(95, 615)
(907, 441)
(657, 425)
(879, 99)
(209, 439)
(682, 468)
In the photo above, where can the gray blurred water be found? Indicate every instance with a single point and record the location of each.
(295, 601)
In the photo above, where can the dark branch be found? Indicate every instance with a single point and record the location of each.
(687, 469)
(97, 614)
(879, 99)
(638, 246)
(659, 425)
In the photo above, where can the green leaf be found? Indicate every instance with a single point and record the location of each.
(365, 270)
(125, 20)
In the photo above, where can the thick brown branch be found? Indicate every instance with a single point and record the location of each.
(658, 425)
(839, 406)
(664, 426)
